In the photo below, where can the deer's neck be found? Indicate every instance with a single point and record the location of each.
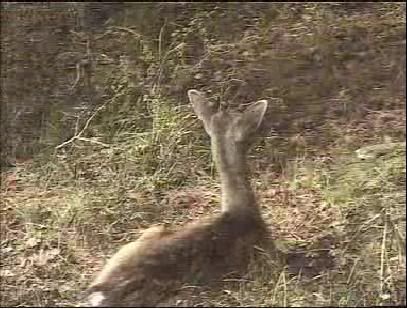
(237, 193)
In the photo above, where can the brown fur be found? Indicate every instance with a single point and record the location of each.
(143, 272)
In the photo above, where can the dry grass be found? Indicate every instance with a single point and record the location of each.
(338, 221)
(340, 227)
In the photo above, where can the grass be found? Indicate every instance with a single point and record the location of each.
(340, 224)
(142, 159)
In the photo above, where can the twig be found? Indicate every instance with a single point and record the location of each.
(382, 256)
(131, 31)
(92, 141)
(284, 291)
(352, 270)
(77, 136)
(78, 76)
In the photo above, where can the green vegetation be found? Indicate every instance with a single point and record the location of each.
(334, 75)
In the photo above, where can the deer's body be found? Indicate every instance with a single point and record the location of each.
(161, 260)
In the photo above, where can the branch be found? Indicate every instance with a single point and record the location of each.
(78, 135)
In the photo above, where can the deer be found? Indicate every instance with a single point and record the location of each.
(162, 259)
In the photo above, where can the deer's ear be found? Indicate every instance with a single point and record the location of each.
(251, 120)
(202, 107)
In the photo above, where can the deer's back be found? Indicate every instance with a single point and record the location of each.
(194, 254)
